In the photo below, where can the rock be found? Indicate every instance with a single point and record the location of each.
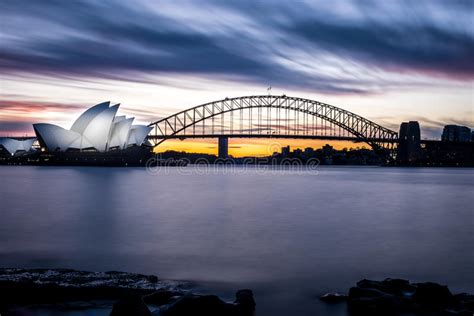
(80, 290)
(394, 296)
(161, 297)
(358, 292)
(130, 305)
(244, 302)
(432, 295)
(370, 284)
(375, 306)
(211, 305)
(27, 286)
(449, 312)
(398, 287)
(333, 297)
(198, 305)
(369, 301)
(464, 301)
(152, 278)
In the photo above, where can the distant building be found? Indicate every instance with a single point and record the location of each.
(309, 151)
(409, 147)
(327, 150)
(297, 152)
(456, 133)
(285, 151)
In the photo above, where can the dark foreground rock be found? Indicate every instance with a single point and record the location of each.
(244, 302)
(130, 305)
(133, 294)
(162, 297)
(211, 305)
(30, 286)
(173, 303)
(397, 296)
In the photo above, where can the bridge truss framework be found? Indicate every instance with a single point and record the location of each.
(268, 116)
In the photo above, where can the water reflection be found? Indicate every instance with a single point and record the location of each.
(288, 236)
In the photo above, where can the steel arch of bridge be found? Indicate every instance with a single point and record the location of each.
(183, 124)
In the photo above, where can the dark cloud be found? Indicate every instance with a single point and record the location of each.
(112, 40)
(120, 40)
(195, 54)
(418, 48)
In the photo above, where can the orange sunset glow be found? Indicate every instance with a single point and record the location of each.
(239, 147)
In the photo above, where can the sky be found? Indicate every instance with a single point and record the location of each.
(389, 61)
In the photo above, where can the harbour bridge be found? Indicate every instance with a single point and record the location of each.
(270, 116)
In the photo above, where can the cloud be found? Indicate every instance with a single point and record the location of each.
(25, 106)
(432, 128)
(419, 48)
(17, 116)
(263, 43)
(15, 128)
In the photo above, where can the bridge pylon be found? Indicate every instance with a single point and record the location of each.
(223, 147)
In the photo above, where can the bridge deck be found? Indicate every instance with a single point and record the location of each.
(287, 136)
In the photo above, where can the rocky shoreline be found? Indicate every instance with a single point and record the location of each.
(123, 293)
(400, 297)
(120, 293)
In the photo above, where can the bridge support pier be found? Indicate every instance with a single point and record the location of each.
(409, 148)
(223, 148)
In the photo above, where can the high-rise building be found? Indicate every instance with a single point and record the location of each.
(456, 133)
(285, 151)
(409, 148)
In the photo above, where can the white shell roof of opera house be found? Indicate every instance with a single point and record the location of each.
(97, 128)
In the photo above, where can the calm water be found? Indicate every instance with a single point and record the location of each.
(288, 235)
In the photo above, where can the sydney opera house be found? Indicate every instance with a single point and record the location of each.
(98, 129)
(97, 137)
(16, 146)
